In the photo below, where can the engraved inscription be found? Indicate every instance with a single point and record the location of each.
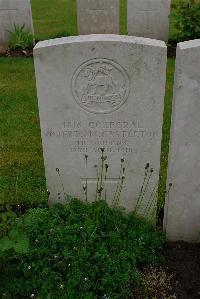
(120, 136)
(100, 86)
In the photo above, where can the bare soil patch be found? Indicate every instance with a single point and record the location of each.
(16, 53)
(183, 260)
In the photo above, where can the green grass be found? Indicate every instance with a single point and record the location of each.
(166, 128)
(22, 173)
(54, 18)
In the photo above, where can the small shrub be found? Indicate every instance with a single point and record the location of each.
(187, 20)
(7, 215)
(80, 250)
(15, 240)
(20, 38)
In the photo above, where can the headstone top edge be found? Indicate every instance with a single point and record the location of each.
(189, 44)
(99, 38)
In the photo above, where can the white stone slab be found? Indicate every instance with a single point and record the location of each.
(182, 210)
(14, 12)
(98, 16)
(100, 91)
(148, 18)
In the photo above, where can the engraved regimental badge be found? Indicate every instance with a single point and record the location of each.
(100, 86)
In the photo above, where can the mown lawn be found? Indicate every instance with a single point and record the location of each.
(22, 177)
(22, 174)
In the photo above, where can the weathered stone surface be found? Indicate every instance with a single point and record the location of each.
(14, 12)
(100, 91)
(98, 16)
(182, 211)
(148, 18)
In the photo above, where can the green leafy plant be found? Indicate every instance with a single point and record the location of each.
(7, 215)
(10, 237)
(187, 20)
(15, 240)
(20, 38)
(81, 250)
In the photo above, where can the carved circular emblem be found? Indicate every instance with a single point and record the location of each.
(100, 86)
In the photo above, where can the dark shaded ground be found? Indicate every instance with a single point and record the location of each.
(171, 50)
(183, 260)
(17, 53)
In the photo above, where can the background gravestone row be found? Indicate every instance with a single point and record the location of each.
(146, 18)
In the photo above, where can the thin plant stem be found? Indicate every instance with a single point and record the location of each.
(97, 185)
(153, 212)
(63, 188)
(105, 179)
(167, 202)
(101, 174)
(119, 191)
(155, 189)
(86, 181)
(143, 184)
(120, 187)
(144, 189)
(153, 202)
(119, 182)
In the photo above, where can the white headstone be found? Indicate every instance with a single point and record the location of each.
(100, 91)
(148, 18)
(14, 12)
(98, 16)
(182, 211)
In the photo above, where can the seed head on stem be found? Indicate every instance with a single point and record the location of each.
(147, 166)
(100, 189)
(104, 158)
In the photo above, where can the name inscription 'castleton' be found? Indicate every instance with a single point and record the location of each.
(100, 86)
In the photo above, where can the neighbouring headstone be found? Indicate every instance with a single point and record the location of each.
(98, 16)
(182, 210)
(14, 12)
(148, 18)
(100, 91)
